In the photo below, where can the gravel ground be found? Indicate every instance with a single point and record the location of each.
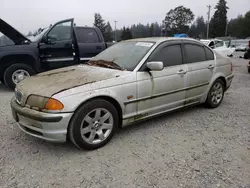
(195, 147)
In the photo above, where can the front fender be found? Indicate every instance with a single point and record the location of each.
(34, 54)
(72, 102)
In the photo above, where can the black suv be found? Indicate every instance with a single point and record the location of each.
(60, 45)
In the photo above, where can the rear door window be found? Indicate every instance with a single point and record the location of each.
(195, 53)
(87, 35)
(209, 53)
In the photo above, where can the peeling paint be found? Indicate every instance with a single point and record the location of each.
(55, 81)
(105, 64)
(55, 73)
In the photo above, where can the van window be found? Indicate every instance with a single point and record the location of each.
(219, 43)
(87, 35)
(195, 53)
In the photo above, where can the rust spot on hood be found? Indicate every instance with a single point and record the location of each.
(55, 73)
(104, 64)
(74, 87)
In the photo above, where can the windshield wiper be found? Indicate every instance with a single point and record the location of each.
(105, 64)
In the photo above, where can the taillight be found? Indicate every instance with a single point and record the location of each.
(231, 67)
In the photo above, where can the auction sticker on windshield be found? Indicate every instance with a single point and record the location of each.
(145, 44)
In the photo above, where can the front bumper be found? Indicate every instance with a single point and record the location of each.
(46, 126)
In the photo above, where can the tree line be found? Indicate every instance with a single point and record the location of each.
(180, 20)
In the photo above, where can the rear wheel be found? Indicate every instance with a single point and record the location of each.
(16, 73)
(93, 125)
(216, 94)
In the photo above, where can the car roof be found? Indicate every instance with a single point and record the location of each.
(160, 39)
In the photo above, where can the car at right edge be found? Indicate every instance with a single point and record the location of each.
(130, 81)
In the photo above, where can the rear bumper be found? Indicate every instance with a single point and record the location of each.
(46, 126)
(229, 80)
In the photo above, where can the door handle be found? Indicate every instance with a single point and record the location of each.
(210, 66)
(181, 71)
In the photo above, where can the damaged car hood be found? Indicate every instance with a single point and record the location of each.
(12, 33)
(55, 81)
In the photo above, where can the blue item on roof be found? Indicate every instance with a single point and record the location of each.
(180, 35)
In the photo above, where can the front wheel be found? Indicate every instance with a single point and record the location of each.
(216, 94)
(16, 73)
(93, 124)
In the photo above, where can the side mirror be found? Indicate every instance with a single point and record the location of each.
(155, 65)
(48, 40)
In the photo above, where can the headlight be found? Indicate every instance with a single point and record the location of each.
(43, 103)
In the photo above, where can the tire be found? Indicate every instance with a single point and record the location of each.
(248, 69)
(215, 99)
(90, 139)
(7, 78)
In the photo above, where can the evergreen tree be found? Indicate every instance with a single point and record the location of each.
(218, 22)
(246, 25)
(108, 34)
(198, 28)
(151, 30)
(126, 34)
(99, 22)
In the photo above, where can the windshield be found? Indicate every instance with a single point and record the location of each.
(38, 36)
(126, 55)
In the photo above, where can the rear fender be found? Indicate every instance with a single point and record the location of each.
(215, 77)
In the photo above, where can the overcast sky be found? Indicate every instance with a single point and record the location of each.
(26, 15)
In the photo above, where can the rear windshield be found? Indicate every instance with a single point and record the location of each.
(125, 54)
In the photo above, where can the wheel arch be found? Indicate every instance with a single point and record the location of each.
(215, 77)
(110, 99)
(27, 59)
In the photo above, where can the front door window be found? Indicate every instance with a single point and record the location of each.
(60, 32)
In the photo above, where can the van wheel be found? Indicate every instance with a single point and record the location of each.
(216, 94)
(93, 124)
(16, 73)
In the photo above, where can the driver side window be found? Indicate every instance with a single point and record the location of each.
(170, 55)
(60, 32)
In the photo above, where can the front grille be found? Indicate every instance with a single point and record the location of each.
(19, 96)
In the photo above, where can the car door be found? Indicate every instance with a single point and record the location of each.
(56, 48)
(89, 43)
(161, 91)
(200, 63)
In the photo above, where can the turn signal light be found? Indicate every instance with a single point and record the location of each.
(53, 104)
